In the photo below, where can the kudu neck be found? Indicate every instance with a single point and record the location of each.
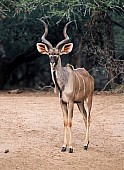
(59, 65)
(59, 75)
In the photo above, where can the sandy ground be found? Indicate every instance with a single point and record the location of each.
(31, 132)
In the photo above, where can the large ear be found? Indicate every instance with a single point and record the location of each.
(42, 48)
(67, 48)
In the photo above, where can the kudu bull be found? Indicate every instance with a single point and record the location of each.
(72, 85)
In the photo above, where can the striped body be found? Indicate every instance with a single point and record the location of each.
(78, 86)
(72, 85)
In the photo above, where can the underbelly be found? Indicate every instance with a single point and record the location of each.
(72, 98)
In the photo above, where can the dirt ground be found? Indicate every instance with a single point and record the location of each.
(31, 134)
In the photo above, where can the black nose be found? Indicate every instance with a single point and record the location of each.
(52, 62)
(52, 59)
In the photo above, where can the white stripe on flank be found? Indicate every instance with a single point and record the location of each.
(78, 81)
(83, 82)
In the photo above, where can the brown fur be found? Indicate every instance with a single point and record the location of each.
(72, 85)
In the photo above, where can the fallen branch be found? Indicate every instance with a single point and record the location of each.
(45, 87)
(111, 80)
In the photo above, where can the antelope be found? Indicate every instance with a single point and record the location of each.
(72, 85)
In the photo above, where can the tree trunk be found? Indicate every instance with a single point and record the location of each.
(7, 66)
(2, 51)
(110, 45)
(79, 53)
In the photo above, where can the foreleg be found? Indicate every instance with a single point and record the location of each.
(65, 119)
(70, 115)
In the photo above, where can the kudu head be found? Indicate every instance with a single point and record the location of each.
(54, 53)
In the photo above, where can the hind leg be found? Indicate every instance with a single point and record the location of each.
(88, 109)
(86, 117)
(83, 112)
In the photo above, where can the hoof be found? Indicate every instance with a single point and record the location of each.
(63, 149)
(85, 147)
(70, 150)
